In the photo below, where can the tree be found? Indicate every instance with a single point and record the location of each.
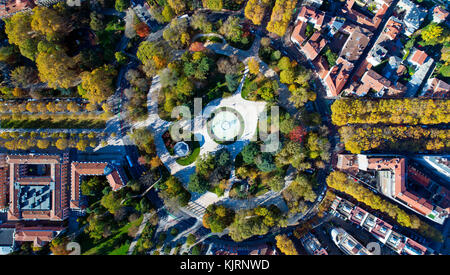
(96, 22)
(276, 183)
(223, 158)
(178, 6)
(98, 84)
(284, 63)
(62, 144)
(232, 29)
(18, 92)
(191, 239)
(168, 77)
(286, 245)
(19, 32)
(198, 184)
(249, 152)
(213, 4)
(49, 23)
(431, 32)
(253, 66)
(111, 201)
(82, 144)
(177, 33)
(142, 29)
(154, 56)
(24, 76)
(265, 162)
(200, 22)
(121, 5)
(43, 144)
(58, 246)
(255, 10)
(281, 16)
(121, 58)
(232, 82)
(57, 69)
(167, 13)
(297, 134)
(287, 76)
(8, 54)
(92, 186)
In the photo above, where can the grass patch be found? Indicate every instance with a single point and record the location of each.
(122, 250)
(114, 244)
(51, 123)
(195, 145)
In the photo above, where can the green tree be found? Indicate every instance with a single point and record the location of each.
(198, 184)
(121, 5)
(249, 152)
(111, 201)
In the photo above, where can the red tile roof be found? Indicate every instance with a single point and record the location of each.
(392, 28)
(310, 14)
(338, 76)
(418, 176)
(321, 65)
(419, 57)
(298, 34)
(314, 45)
(115, 180)
(39, 235)
(9, 7)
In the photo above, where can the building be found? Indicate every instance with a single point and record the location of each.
(414, 16)
(39, 235)
(313, 3)
(439, 14)
(48, 3)
(46, 187)
(436, 88)
(376, 55)
(311, 15)
(393, 28)
(321, 66)
(356, 43)
(372, 23)
(418, 57)
(314, 46)
(7, 240)
(113, 174)
(312, 245)
(307, 15)
(337, 76)
(422, 64)
(347, 243)
(381, 230)
(391, 179)
(380, 85)
(11, 7)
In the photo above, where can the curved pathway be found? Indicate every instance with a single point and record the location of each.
(248, 109)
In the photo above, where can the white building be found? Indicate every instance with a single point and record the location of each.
(414, 16)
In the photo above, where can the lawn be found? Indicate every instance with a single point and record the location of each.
(195, 146)
(53, 123)
(116, 244)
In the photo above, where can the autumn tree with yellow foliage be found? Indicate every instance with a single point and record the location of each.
(253, 66)
(281, 16)
(98, 84)
(286, 245)
(255, 10)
